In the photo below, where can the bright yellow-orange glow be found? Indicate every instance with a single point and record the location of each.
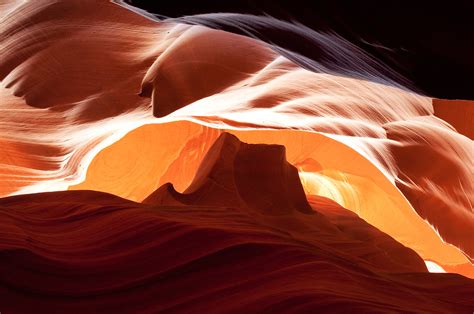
(155, 154)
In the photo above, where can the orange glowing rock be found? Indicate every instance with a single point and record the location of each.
(341, 174)
(384, 152)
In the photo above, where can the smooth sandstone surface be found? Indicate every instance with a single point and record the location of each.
(219, 245)
(78, 76)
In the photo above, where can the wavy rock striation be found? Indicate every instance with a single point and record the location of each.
(224, 246)
(78, 75)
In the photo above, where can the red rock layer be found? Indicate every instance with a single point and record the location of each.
(233, 173)
(458, 113)
(77, 75)
(137, 165)
(85, 251)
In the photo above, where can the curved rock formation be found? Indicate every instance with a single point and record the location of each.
(226, 251)
(130, 168)
(233, 173)
(76, 76)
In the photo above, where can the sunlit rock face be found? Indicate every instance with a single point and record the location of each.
(239, 174)
(257, 236)
(326, 168)
(95, 96)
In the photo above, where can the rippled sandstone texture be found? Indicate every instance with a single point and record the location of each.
(77, 76)
(227, 243)
(136, 165)
(66, 95)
